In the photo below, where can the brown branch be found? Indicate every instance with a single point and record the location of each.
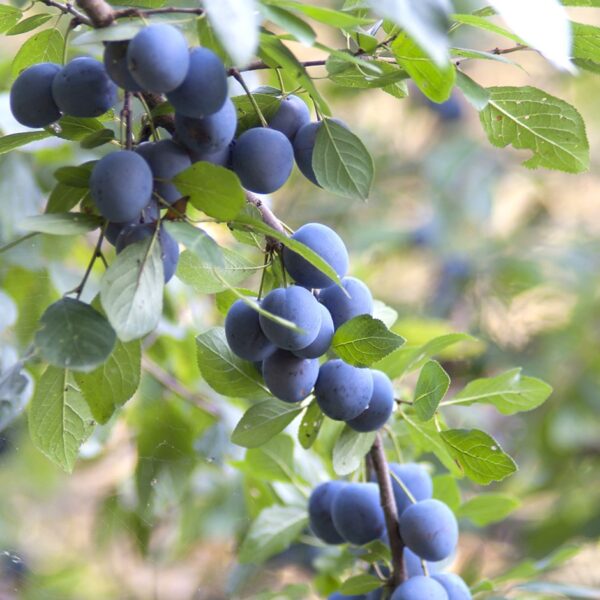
(269, 218)
(136, 12)
(101, 13)
(169, 382)
(71, 10)
(388, 504)
(126, 117)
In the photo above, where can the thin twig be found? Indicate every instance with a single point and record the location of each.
(79, 289)
(235, 73)
(126, 117)
(136, 12)
(68, 8)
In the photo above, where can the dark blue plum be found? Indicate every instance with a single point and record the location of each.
(339, 596)
(343, 391)
(327, 244)
(263, 159)
(357, 514)
(167, 159)
(115, 63)
(158, 58)
(121, 186)
(83, 88)
(209, 135)
(291, 115)
(31, 100)
(416, 479)
(145, 150)
(221, 158)
(294, 304)
(204, 89)
(420, 588)
(454, 585)
(170, 253)
(319, 511)
(380, 406)
(289, 377)
(429, 529)
(412, 563)
(323, 340)
(450, 110)
(345, 307)
(244, 334)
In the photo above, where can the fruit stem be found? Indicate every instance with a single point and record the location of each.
(235, 73)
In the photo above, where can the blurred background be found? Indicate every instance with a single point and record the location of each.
(457, 236)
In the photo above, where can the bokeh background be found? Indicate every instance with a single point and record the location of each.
(457, 236)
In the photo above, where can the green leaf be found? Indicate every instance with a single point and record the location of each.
(78, 177)
(224, 371)
(328, 16)
(78, 128)
(10, 142)
(214, 190)
(272, 532)
(479, 455)
(59, 419)
(477, 95)
(509, 392)
(586, 46)
(61, 223)
(488, 508)
(434, 80)
(63, 198)
(131, 290)
(350, 449)
(310, 425)
(263, 421)
(360, 584)
(341, 162)
(289, 22)
(273, 461)
(481, 55)
(206, 278)
(115, 33)
(197, 241)
(74, 335)
(480, 22)
(247, 115)
(225, 299)
(45, 46)
(29, 24)
(98, 138)
(9, 16)
(445, 488)
(432, 385)
(114, 382)
(363, 341)
(530, 119)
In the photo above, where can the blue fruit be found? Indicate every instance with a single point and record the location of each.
(429, 529)
(209, 135)
(291, 115)
(289, 377)
(327, 244)
(158, 58)
(416, 479)
(244, 335)
(167, 159)
(115, 63)
(450, 110)
(170, 253)
(263, 159)
(380, 406)
(83, 88)
(345, 307)
(145, 150)
(323, 340)
(454, 585)
(412, 563)
(297, 305)
(319, 511)
(357, 513)
(204, 89)
(343, 391)
(121, 186)
(339, 596)
(31, 100)
(420, 588)
(221, 157)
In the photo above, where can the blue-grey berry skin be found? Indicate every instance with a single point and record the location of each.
(244, 335)
(83, 88)
(340, 596)
(380, 406)
(291, 115)
(322, 342)
(204, 89)
(343, 391)
(121, 186)
(145, 150)
(319, 511)
(357, 513)
(429, 529)
(325, 242)
(420, 588)
(31, 100)
(342, 307)
(222, 158)
(263, 159)
(289, 377)
(297, 305)
(158, 58)
(416, 479)
(115, 63)
(170, 253)
(209, 135)
(454, 585)
(167, 159)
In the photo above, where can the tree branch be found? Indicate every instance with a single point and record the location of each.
(100, 13)
(137, 12)
(388, 504)
(69, 9)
